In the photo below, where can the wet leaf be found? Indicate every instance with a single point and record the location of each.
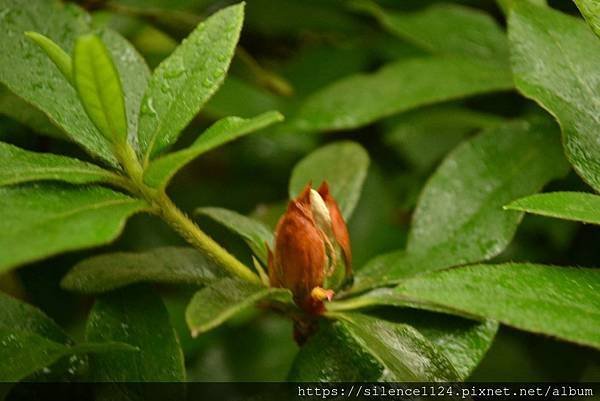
(58, 56)
(170, 265)
(218, 302)
(161, 170)
(342, 164)
(358, 100)
(19, 166)
(362, 348)
(136, 316)
(566, 82)
(556, 301)
(183, 82)
(256, 234)
(38, 221)
(577, 206)
(99, 87)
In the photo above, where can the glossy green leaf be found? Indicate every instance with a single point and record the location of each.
(19, 110)
(161, 170)
(566, 83)
(358, 100)
(19, 166)
(446, 29)
(58, 56)
(214, 304)
(38, 221)
(183, 82)
(342, 164)
(463, 341)
(437, 129)
(28, 72)
(99, 86)
(138, 317)
(20, 316)
(24, 353)
(256, 234)
(577, 206)
(459, 218)
(170, 265)
(561, 302)
(590, 9)
(381, 351)
(505, 5)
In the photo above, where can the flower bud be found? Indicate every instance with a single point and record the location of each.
(309, 239)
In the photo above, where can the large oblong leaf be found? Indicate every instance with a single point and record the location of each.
(172, 265)
(577, 206)
(561, 302)
(214, 304)
(18, 166)
(135, 316)
(358, 100)
(459, 218)
(160, 171)
(256, 234)
(38, 221)
(183, 82)
(380, 351)
(99, 87)
(567, 83)
(342, 164)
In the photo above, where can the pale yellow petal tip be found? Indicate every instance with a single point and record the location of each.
(195, 333)
(322, 294)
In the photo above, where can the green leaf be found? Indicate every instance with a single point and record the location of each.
(58, 56)
(577, 206)
(38, 221)
(183, 82)
(24, 353)
(256, 234)
(557, 301)
(459, 218)
(218, 302)
(172, 265)
(99, 86)
(437, 129)
(161, 170)
(342, 164)
(28, 72)
(19, 110)
(19, 316)
(464, 342)
(19, 166)
(379, 351)
(435, 29)
(358, 100)
(566, 84)
(590, 9)
(138, 317)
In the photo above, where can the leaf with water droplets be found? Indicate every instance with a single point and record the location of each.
(342, 164)
(363, 348)
(170, 265)
(555, 60)
(183, 82)
(28, 72)
(58, 56)
(160, 171)
(576, 206)
(37, 221)
(256, 234)
(136, 316)
(561, 302)
(218, 302)
(459, 218)
(19, 166)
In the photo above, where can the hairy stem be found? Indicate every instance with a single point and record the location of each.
(170, 213)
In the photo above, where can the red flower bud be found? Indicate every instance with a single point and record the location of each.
(308, 238)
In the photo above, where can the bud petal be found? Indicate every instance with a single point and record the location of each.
(340, 230)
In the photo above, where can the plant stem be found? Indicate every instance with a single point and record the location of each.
(168, 211)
